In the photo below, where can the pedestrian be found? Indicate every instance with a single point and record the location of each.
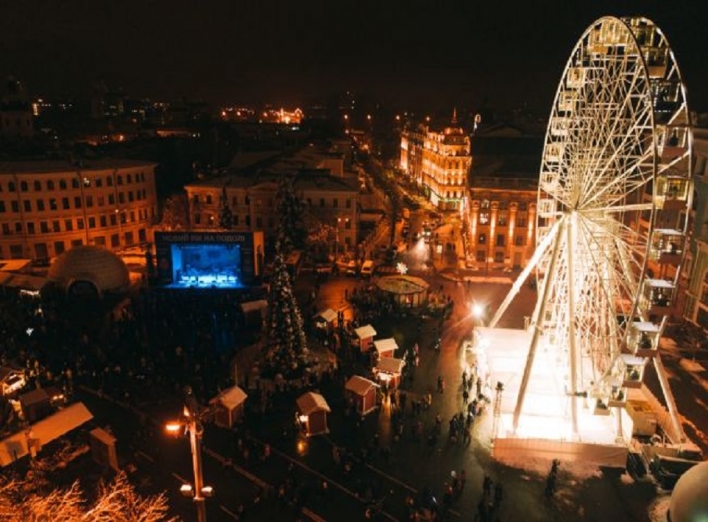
(465, 396)
(550, 485)
(463, 479)
(487, 486)
(498, 494)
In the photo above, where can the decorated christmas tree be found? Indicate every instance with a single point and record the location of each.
(286, 341)
(226, 217)
(292, 232)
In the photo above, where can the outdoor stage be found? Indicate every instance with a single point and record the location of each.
(545, 428)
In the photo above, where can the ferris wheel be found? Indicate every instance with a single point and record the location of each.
(612, 214)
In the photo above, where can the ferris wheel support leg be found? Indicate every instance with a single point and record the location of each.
(539, 312)
(678, 434)
(570, 228)
(533, 262)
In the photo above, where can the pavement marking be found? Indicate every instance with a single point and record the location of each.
(250, 476)
(392, 479)
(228, 511)
(324, 477)
(181, 479)
(145, 455)
(312, 516)
(406, 486)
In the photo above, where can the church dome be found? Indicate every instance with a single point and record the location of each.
(79, 269)
(689, 502)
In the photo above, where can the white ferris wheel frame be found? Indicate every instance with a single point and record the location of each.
(618, 137)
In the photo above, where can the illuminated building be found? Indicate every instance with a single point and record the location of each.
(47, 207)
(502, 215)
(281, 116)
(439, 161)
(503, 191)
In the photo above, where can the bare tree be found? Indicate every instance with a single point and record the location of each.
(116, 501)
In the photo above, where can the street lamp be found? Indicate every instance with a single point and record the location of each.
(336, 236)
(191, 424)
(478, 312)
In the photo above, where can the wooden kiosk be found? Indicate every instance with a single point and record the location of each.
(365, 334)
(386, 347)
(389, 370)
(363, 392)
(229, 405)
(325, 320)
(312, 410)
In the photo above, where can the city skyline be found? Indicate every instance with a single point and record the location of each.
(434, 56)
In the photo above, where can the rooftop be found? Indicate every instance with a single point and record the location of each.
(40, 166)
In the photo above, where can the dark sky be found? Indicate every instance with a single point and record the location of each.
(426, 53)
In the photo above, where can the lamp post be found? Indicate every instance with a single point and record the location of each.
(336, 240)
(192, 425)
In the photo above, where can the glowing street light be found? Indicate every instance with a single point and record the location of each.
(190, 424)
(477, 310)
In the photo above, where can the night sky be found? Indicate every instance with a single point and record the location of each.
(420, 53)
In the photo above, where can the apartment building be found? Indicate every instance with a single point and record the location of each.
(47, 206)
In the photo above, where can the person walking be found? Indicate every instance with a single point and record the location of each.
(487, 486)
(498, 494)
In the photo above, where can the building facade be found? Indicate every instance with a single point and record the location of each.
(439, 161)
(503, 194)
(333, 200)
(47, 207)
(15, 112)
(502, 220)
(696, 308)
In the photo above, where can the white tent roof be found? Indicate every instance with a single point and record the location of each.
(632, 360)
(386, 345)
(253, 306)
(311, 402)
(390, 365)
(364, 332)
(46, 430)
(659, 283)
(328, 315)
(230, 398)
(359, 385)
(648, 327)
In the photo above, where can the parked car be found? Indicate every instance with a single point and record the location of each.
(367, 269)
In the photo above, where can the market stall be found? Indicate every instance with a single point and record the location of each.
(312, 410)
(363, 393)
(388, 371)
(325, 320)
(365, 335)
(385, 347)
(228, 406)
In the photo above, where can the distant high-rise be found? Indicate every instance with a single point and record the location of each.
(15, 111)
